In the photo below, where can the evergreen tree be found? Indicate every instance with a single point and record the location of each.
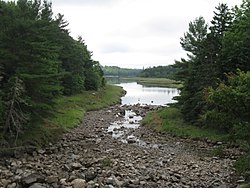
(39, 60)
(203, 69)
(236, 43)
(191, 93)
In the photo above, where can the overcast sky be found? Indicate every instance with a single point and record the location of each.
(134, 33)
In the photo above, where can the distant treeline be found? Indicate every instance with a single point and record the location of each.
(151, 72)
(159, 72)
(120, 72)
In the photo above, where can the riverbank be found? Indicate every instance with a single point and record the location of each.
(170, 121)
(89, 156)
(68, 113)
(160, 82)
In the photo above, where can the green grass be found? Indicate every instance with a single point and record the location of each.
(170, 120)
(161, 82)
(68, 113)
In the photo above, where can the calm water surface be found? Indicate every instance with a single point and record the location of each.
(137, 93)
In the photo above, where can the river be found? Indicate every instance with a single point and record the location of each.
(137, 93)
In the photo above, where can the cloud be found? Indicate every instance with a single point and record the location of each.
(134, 33)
(115, 47)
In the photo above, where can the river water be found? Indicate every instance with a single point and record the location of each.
(137, 93)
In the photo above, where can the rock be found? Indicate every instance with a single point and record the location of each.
(13, 185)
(113, 181)
(219, 143)
(130, 116)
(78, 183)
(37, 185)
(63, 182)
(40, 151)
(75, 166)
(5, 182)
(90, 175)
(33, 178)
(91, 184)
(52, 179)
(131, 139)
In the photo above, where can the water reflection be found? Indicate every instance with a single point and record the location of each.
(137, 93)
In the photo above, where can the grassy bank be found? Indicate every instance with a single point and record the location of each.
(170, 120)
(162, 82)
(68, 113)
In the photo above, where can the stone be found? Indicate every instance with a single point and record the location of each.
(76, 165)
(90, 175)
(33, 178)
(5, 182)
(37, 185)
(63, 182)
(13, 185)
(52, 179)
(131, 139)
(41, 151)
(78, 183)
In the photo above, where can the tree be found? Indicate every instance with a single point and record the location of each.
(15, 113)
(230, 105)
(192, 40)
(191, 93)
(236, 43)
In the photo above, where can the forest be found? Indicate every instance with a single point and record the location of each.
(216, 77)
(159, 72)
(120, 72)
(39, 62)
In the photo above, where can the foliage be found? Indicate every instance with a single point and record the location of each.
(158, 72)
(39, 62)
(160, 82)
(68, 113)
(120, 72)
(242, 165)
(209, 60)
(170, 120)
(229, 105)
(215, 92)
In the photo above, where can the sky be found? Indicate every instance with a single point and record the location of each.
(134, 33)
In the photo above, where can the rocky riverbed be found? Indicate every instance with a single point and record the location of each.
(95, 155)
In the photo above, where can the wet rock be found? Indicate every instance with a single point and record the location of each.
(131, 139)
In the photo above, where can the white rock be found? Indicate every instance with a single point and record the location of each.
(78, 183)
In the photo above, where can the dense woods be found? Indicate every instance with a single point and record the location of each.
(120, 72)
(39, 61)
(216, 75)
(159, 72)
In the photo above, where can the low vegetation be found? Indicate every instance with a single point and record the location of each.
(170, 120)
(68, 113)
(161, 82)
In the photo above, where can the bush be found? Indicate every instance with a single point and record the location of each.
(229, 106)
